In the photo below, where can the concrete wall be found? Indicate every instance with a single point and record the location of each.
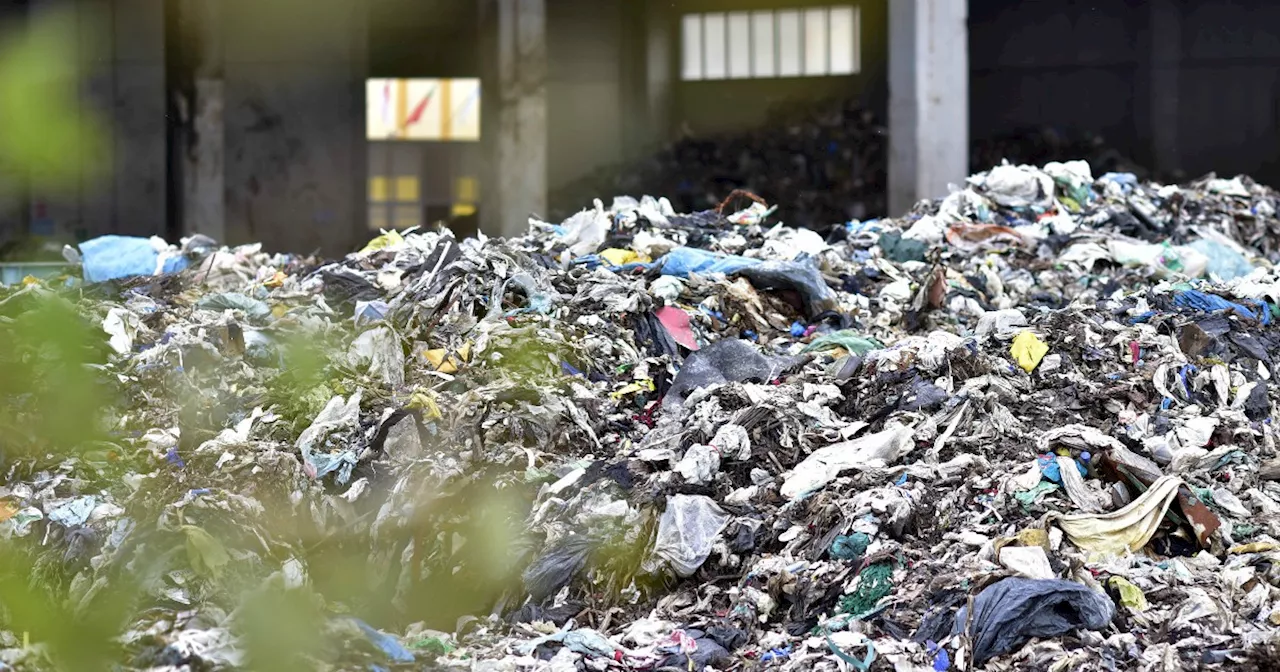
(1179, 85)
(1050, 63)
(1228, 97)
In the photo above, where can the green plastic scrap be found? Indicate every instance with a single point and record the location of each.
(850, 547)
(860, 665)
(205, 553)
(1028, 497)
(896, 248)
(874, 583)
(251, 307)
(434, 645)
(848, 339)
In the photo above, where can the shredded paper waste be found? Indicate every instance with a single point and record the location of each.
(1026, 426)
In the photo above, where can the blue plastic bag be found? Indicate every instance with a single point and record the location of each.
(682, 261)
(1209, 303)
(115, 257)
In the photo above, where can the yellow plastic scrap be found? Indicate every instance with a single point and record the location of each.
(387, 239)
(441, 361)
(617, 256)
(644, 385)
(8, 509)
(1130, 595)
(279, 310)
(444, 362)
(1027, 351)
(1033, 536)
(1126, 530)
(30, 280)
(1255, 547)
(425, 402)
(276, 280)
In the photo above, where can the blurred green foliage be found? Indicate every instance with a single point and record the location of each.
(46, 128)
(63, 411)
(53, 395)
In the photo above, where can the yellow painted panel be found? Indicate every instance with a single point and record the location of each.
(465, 189)
(378, 189)
(407, 189)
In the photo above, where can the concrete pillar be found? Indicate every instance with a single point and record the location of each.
(1165, 56)
(294, 121)
(201, 102)
(660, 71)
(928, 99)
(514, 128)
(139, 147)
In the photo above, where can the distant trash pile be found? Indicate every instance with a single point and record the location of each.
(822, 163)
(1026, 426)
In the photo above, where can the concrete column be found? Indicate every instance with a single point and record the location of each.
(202, 103)
(515, 94)
(1165, 44)
(660, 71)
(293, 120)
(139, 121)
(928, 99)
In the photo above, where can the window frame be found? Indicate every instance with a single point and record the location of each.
(797, 50)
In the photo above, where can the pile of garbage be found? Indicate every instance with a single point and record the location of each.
(821, 163)
(1026, 426)
(1046, 144)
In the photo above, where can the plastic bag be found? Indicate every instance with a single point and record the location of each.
(251, 307)
(380, 350)
(823, 465)
(115, 257)
(730, 360)
(682, 261)
(801, 275)
(585, 231)
(1009, 612)
(1124, 531)
(337, 415)
(687, 530)
(554, 569)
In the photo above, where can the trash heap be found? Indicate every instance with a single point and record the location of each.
(820, 162)
(1046, 144)
(1025, 426)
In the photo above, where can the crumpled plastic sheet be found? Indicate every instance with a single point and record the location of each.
(722, 362)
(1011, 611)
(687, 530)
